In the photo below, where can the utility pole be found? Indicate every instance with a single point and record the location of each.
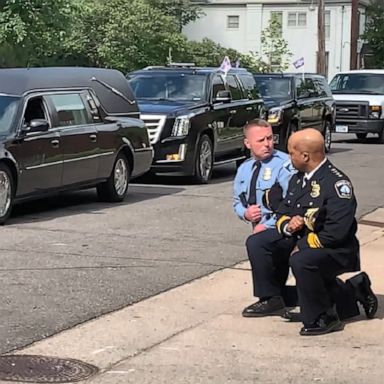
(321, 38)
(354, 33)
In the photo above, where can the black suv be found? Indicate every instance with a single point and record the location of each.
(296, 101)
(195, 116)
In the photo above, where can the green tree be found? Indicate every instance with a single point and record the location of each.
(32, 31)
(183, 11)
(274, 48)
(374, 32)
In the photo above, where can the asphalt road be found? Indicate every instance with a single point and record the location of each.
(69, 259)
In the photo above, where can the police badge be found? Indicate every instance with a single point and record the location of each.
(315, 191)
(267, 174)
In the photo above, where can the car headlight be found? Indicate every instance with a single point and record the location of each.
(375, 111)
(275, 115)
(181, 126)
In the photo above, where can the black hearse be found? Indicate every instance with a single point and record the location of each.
(68, 128)
(296, 101)
(195, 116)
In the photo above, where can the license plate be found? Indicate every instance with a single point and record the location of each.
(276, 139)
(342, 128)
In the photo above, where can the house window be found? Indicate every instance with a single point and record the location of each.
(233, 22)
(297, 19)
(327, 24)
(278, 16)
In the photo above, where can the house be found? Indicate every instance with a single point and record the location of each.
(239, 24)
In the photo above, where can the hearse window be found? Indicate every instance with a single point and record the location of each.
(234, 88)
(35, 110)
(70, 110)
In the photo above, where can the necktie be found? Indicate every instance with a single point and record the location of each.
(252, 185)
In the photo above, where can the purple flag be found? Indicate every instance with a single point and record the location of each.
(298, 63)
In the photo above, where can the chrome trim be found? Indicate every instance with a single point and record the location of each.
(229, 160)
(69, 160)
(154, 124)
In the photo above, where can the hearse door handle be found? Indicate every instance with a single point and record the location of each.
(233, 111)
(249, 108)
(55, 143)
(93, 138)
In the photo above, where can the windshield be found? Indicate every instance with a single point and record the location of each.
(362, 83)
(169, 86)
(8, 107)
(272, 87)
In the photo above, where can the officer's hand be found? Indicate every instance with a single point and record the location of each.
(253, 213)
(295, 224)
(259, 228)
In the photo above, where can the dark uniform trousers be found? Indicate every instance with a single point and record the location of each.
(315, 270)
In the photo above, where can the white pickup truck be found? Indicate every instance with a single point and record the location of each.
(359, 96)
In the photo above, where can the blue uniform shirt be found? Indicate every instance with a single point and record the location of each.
(277, 168)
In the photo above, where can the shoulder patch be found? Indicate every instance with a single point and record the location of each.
(344, 189)
(289, 167)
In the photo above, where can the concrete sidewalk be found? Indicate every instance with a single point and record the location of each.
(196, 334)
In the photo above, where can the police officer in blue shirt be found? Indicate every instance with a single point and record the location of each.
(257, 175)
(253, 182)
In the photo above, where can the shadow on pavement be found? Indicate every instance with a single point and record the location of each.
(78, 202)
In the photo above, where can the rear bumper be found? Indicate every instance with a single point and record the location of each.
(359, 126)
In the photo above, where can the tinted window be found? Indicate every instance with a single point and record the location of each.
(234, 88)
(273, 87)
(217, 85)
(8, 107)
(173, 86)
(363, 83)
(250, 87)
(305, 88)
(70, 109)
(35, 109)
(322, 88)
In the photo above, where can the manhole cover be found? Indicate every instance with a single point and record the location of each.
(43, 369)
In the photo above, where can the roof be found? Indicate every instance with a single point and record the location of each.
(362, 71)
(186, 69)
(20, 81)
(287, 74)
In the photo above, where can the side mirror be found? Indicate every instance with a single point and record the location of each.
(37, 125)
(223, 97)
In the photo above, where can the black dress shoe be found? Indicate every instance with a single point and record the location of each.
(293, 317)
(270, 307)
(326, 323)
(366, 297)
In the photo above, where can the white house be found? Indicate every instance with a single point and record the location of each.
(238, 24)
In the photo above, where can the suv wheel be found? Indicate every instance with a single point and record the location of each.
(116, 187)
(204, 160)
(6, 193)
(361, 136)
(380, 139)
(327, 136)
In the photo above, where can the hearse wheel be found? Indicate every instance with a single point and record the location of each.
(6, 193)
(115, 189)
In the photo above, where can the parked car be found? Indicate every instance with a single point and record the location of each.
(359, 96)
(296, 101)
(68, 128)
(195, 116)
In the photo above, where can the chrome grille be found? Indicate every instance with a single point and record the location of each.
(351, 110)
(154, 124)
